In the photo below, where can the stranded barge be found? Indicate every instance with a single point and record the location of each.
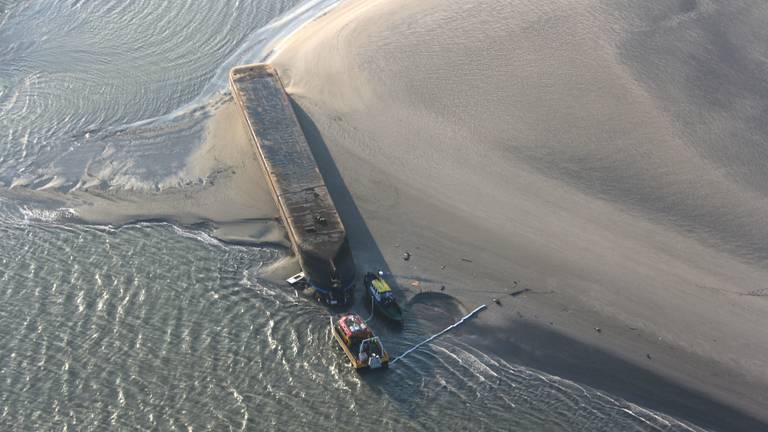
(314, 227)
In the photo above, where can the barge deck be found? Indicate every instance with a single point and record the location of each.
(314, 227)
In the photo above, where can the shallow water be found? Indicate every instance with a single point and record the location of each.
(156, 326)
(151, 326)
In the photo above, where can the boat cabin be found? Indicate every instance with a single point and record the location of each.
(353, 329)
(381, 291)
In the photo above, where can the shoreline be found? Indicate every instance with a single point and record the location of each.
(542, 348)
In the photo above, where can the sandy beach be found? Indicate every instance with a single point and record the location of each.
(592, 167)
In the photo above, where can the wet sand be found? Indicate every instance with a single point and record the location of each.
(221, 187)
(524, 152)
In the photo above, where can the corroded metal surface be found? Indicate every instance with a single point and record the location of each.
(313, 224)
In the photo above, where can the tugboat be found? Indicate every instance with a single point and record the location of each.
(363, 349)
(379, 295)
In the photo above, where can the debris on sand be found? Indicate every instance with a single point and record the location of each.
(497, 301)
(598, 329)
(466, 260)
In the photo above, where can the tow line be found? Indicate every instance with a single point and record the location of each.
(370, 317)
(431, 338)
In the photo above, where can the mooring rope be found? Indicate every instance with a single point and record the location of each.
(370, 317)
(429, 339)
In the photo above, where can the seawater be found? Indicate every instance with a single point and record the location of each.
(151, 325)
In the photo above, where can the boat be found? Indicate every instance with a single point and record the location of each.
(301, 284)
(380, 297)
(363, 349)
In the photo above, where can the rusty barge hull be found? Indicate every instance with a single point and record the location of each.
(314, 227)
